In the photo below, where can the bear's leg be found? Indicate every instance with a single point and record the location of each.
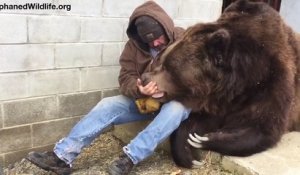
(180, 148)
(236, 142)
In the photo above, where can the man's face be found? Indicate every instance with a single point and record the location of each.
(159, 43)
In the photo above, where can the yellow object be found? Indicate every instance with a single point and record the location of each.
(147, 105)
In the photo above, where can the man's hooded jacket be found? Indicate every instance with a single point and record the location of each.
(136, 58)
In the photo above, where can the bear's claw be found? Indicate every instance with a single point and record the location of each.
(194, 144)
(193, 138)
(196, 140)
(201, 138)
(197, 164)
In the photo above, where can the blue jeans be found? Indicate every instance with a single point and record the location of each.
(118, 110)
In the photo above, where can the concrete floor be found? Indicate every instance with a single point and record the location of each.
(284, 159)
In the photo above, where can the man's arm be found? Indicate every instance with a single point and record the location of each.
(129, 74)
(129, 77)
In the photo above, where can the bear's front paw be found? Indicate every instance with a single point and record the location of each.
(196, 140)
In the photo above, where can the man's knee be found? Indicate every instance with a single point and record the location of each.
(175, 105)
(177, 109)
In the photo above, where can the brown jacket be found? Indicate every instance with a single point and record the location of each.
(135, 58)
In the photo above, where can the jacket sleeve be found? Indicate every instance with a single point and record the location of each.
(129, 74)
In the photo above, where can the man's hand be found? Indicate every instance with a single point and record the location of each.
(149, 89)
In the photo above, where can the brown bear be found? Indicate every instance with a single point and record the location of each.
(240, 77)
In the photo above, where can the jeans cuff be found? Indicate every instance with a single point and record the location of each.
(63, 159)
(127, 152)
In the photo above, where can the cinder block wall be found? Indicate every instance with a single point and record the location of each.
(289, 10)
(57, 64)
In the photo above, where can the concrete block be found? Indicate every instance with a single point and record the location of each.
(127, 132)
(49, 29)
(81, 7)
(77, 55)
(77, 104)
(102, 29)
(119, 8)
(111, 54)
(100, 78)
(29, 111)
(283, 159)
(13, 86)
(171, 7)
(206, 10)
(1, 117)
(16, 138)
(53, 82)
(289, 11)
(125, 37)
(1, 164)
(51, 132)
(185, 23)
(42, 148)
(15, 156)
(26, 57)
(13, 29)
(233, 167)
(110, 93)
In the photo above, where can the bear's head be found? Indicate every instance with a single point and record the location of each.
(236, 56)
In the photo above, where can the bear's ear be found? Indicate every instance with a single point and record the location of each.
(217, 46)
(245, 6)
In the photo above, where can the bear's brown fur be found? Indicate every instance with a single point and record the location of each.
(240, 75)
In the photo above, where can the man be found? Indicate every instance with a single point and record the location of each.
(150, 31)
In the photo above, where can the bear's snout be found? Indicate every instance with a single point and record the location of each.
(146, 78)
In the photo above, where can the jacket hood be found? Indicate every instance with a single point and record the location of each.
(150, 8)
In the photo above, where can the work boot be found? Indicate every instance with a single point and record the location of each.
(121, 166)
(49, 162)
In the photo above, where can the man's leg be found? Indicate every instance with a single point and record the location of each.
(109, 111)
(144, 144)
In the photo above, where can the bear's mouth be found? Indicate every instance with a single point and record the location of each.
(158, 94)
